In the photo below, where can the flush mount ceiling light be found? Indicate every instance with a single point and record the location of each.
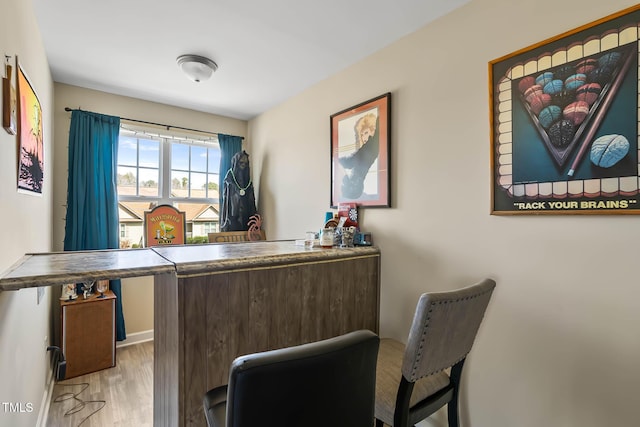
(196, 67)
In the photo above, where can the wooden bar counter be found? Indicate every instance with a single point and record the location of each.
(226, 300)
(215, 302)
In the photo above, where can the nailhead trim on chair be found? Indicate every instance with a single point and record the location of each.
(424, 331)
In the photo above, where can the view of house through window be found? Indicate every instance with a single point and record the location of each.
(167, 169)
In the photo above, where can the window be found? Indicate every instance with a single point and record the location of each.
(155, 169)
(194, 171)
(210, 227)
(138, 166)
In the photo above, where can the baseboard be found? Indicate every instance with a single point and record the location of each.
(43, 415)
(136, 338)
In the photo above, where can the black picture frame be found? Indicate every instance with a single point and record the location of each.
(360, 153)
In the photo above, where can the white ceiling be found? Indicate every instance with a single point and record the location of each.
(266, 51)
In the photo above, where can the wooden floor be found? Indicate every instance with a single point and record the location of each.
(122, 395)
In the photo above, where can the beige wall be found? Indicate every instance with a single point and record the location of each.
(559, 345)
(137, 294)
(137, 306)
(26, 228)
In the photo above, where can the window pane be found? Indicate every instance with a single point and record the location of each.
(212, 185)
(214, 159)
(133, 223)
(149, 153)
(201, 218)
(127, 151)
(149, 182)
(199, 159)
(126, 181)
(198, 185)
(193, 173)
(179, 156)
(179, 184)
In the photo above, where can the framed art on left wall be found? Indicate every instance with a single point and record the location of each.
(30, 136)
(9, 100)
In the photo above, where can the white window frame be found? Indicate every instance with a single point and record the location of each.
(166, 139)
(164, 180)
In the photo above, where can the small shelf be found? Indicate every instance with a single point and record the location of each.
(88, 333)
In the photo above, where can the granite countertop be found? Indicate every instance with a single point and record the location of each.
(195, 259)
(57, 268)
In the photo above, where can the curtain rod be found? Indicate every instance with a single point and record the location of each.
(168, 127)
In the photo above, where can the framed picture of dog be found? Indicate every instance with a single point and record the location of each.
(360, 138)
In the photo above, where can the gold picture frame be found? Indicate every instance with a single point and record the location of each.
(9, 101)
(564, 119)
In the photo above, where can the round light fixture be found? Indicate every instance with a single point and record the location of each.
(196, 67)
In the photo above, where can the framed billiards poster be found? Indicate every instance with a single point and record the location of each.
(564, 122)
(360, 137)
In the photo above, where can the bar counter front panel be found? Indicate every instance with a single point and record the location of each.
(275, 300)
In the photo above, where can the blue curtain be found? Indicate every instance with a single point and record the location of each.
(229, 145)
(92, 199)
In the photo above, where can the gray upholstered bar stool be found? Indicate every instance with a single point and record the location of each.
(411, 381)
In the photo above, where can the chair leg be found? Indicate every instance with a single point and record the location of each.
(381, 424)
(452, 406)
(452, 412)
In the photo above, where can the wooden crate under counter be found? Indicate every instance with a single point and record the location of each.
(88, 333)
